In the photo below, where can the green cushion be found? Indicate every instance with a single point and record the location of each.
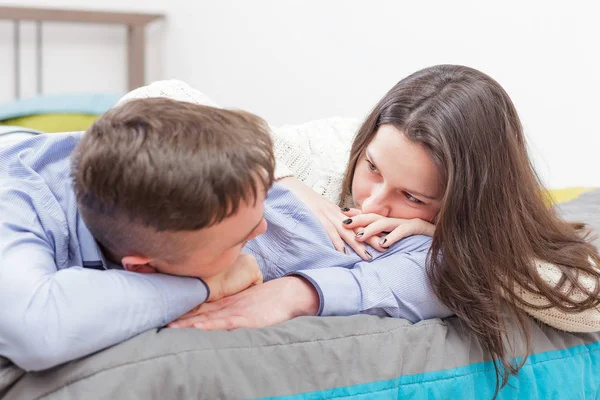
(53, 122)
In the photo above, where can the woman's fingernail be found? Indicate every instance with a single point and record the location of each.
(173, 325)
(347, 221)
(345, 251)
(382, 241)
(369, 256)
(359, 234)
(345, 209)
(199, 325)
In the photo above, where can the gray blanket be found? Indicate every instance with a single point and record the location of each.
(355, 357)
(305, 355)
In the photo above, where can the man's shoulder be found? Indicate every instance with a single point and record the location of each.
(412, 244)
(35, 177)
(283, 199)
(414, 247)
(32, 155)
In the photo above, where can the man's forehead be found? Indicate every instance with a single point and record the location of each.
(246, 218)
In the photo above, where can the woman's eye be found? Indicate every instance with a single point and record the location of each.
(372, 166)
(412, 198)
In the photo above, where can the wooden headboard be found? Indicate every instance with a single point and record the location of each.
(136, 41)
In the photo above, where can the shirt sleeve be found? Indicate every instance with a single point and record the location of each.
(51, 316)
(394, 285)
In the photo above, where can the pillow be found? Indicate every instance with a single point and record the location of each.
(59, 113)
(54, 122)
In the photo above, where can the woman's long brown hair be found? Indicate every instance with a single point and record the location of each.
(494, 223)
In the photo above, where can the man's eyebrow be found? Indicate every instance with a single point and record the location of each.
(253, 229)
(412, 192)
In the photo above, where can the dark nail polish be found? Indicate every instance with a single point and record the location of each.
(347, 221)
(345, 251)
(345, 209)
(382, 241)
(385, 247)
(369, 256)
(359, 234)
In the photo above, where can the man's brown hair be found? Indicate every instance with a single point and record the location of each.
(152, 166)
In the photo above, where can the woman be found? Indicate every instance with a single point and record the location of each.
(445, 145)
(495, 243)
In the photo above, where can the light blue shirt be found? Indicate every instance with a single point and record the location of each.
(61, 299)
(393, 283)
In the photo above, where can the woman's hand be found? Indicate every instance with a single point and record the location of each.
(329, 215)
(382, 232)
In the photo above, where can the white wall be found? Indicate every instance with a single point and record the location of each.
(291, 61)
(77, 57)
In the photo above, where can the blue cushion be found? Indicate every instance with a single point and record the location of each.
(92, 103)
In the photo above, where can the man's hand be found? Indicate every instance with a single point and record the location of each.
(241, 275)
(268, 304)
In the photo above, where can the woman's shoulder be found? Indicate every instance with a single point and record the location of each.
(316, 152)
(335, 130)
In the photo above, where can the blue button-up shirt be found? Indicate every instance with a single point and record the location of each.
(61, 299)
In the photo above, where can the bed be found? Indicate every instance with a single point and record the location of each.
(358, 357)
(68, 112)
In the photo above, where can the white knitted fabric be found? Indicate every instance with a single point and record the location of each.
(316, 153)
(586, 321)
(171, 89)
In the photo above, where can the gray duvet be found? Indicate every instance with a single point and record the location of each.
(359, 357)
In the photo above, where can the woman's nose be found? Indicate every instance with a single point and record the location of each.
(377, 203)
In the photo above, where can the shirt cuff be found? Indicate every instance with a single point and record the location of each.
(180, 294)
(339, 292)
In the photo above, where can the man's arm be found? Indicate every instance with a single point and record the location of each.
(49, 317)
(394, 284)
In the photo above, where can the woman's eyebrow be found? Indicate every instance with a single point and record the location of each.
(412, 192)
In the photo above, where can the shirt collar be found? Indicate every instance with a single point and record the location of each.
(91, 254)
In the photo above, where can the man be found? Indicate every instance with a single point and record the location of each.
(179, 194)
(104, 235)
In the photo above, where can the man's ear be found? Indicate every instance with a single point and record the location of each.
(138, 264)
